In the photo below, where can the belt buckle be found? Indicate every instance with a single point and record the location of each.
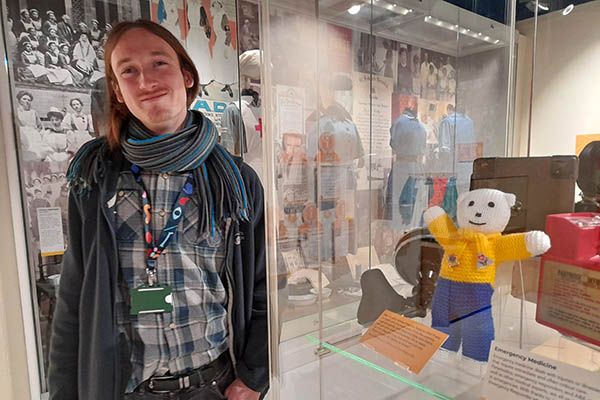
(183, 381)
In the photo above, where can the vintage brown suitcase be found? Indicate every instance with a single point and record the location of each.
(543, 186)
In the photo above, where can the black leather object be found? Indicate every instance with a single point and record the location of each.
(378, 296)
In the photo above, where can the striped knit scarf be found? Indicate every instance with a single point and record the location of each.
(217, 178)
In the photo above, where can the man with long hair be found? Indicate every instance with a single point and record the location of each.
(163, 285)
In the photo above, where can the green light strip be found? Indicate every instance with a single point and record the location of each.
(371, 365)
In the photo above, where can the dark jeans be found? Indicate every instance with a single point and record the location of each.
(212, 390)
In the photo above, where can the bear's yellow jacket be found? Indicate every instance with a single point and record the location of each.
(465, 248)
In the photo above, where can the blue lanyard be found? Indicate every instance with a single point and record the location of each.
(155, 249)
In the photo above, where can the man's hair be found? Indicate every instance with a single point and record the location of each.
(118, 112)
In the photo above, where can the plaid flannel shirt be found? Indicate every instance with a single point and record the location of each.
(195, 332)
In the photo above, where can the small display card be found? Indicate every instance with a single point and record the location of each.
(519, 375)
(406, 342)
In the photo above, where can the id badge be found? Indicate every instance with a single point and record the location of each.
(150, 299)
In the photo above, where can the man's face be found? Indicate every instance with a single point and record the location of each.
(52, 17)
(35, 14)
(25, 14)
(150, 80)
(66, 18)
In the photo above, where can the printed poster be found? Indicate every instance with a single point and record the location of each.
(290, 112)
(373, 118)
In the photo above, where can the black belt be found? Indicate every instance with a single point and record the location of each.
(198, 377)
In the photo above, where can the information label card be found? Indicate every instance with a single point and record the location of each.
(403, 340)
(518, 375)
(50, 230)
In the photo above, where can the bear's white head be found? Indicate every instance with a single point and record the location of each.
(484, 210)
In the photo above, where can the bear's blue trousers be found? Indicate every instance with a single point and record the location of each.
(463, 310)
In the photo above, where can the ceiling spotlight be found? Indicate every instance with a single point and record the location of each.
(543, 6)
(461, 29)
(568, 9)
(354, 9)
(391, 6)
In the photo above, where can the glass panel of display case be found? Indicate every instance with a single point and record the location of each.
(377, 111)
(559, 54)
(55, 58)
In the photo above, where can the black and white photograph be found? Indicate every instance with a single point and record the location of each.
(415, 69)
(404, 81)
(249, 30)
(438, 76)
(52, 127)
(375, 55)
(53, 46)
(447, 79)
(429, 76)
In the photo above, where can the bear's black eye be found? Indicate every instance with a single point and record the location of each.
(491, 204)
(471, 203)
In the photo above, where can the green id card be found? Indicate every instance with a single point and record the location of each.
(150, 299)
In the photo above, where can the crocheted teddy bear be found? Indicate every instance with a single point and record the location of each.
(462, 304)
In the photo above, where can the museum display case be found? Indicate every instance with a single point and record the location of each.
(388, 278)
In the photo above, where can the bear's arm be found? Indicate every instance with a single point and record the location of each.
(441, 226)
(511, 247)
